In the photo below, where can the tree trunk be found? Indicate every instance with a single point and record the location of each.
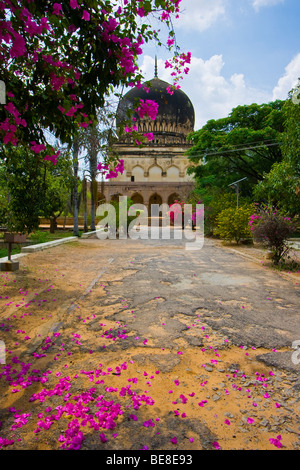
(75, 190)
(53, 224)
(93, 204)
(93, 171)
(84, 191)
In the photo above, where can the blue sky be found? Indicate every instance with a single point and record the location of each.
(243, 51)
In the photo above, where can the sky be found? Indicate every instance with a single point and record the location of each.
(243, 52)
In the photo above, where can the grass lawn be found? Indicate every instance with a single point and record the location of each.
(4, 252)
(43, 236)
(295, 235)
(40, 236)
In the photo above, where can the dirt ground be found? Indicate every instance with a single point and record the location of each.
(113, 345)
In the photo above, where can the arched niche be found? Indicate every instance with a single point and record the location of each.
(138, 174)
(155, 174)
(173, 173)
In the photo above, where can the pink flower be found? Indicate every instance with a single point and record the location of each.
(74, 4)
(53, 158)
(174, 440)
(37, 148)
(103, 438)
(148, 423)
(134, 417)
(149, 136)
(18, 48)
(169, 90)
(216, 445)
(140, 11)
(57, 9)
(71, 111)
(276, 442)
(148, 108)
(86, 16)
(10, 107)
(202, 403)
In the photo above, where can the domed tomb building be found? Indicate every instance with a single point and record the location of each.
(157, 172)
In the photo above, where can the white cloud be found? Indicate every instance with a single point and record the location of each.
(212, 95)
(258, 4)
(289, 80)
(199, 15)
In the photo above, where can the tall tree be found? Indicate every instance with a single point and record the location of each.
(281, 186)
(75, 160)
(244, 144)
(31, 188)
(97, 142)
(58, 185)
(291, 136)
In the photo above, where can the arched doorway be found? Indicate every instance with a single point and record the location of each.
(172, 198)
(154, 200)
(115, 197)
(100, 199)
(137, 198)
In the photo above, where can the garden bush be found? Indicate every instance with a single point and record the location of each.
(233, 223)
(272, 228)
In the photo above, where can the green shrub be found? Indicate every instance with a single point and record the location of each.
(215, 201)
(233, 223)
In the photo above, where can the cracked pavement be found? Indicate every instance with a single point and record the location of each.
(219, 324)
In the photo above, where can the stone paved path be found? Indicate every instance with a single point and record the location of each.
(181, 349)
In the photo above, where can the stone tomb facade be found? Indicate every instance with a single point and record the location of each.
(157, 172)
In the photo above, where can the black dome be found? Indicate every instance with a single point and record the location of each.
(175, 118)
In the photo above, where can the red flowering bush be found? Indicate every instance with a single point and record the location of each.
(273, 229)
